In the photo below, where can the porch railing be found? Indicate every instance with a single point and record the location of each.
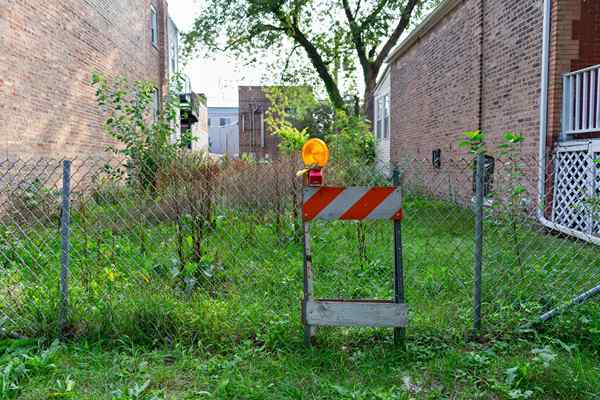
(581, 102)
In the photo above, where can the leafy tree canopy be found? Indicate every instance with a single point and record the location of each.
(340, 40)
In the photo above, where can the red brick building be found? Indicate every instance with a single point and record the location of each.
(499, 65)
(255, 138)
(48, 53)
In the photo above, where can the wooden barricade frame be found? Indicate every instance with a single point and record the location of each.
(353, 204)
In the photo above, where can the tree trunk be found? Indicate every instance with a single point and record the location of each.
(368, 108)
(317, 61)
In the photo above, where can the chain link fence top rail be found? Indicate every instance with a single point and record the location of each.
(201, 248)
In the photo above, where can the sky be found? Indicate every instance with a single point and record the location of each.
(219, 77)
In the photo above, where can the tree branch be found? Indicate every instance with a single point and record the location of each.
(319, 64)
(371, 17)
(348, 11)
(287, 61)
(400, 28)
(357, 10)
(293, 29)
(356, 32)
(252, 33)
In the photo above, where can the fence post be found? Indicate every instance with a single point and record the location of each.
(399, 333)
(309, 330)
(64, 256)
(479, 198)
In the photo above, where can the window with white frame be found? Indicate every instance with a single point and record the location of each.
(379, 122)
(386, 116)
(174, 56)
(154, 26)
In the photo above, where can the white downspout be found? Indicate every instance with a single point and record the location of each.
(543, 135)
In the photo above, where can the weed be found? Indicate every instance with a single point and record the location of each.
(19, 361)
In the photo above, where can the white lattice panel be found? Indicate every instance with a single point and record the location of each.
(577, 187)
(596, 189)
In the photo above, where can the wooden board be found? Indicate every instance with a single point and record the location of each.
(355, 313)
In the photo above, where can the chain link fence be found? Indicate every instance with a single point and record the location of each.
(203, 249)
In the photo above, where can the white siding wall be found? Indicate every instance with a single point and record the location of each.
(224, 139)
(381, 123)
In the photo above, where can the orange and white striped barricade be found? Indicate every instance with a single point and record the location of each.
(353, 204)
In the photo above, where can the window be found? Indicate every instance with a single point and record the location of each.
(379, 125)
(488, 175)
(262, 129)
(209, 122)
(436, 159)
(155, 104)
(154, 26)
(174, 55)
(386, 116)
(223, 121)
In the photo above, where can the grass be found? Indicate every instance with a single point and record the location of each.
(346, 365)
(149, 322)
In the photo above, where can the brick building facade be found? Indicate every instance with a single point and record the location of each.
(49, 51)
(482, 64)
(255, 138)
(477, 64)
(437, 90)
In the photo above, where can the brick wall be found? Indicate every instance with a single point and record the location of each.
(439, 89)
(563, 50)
(583, 33)
(49, 51)
(512, 49)
(586, 30)
(252, 104)
(436, 87)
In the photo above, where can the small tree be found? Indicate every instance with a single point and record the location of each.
(508, 205)
(352, 147)
(288, 105)
(144, 139)
(514, 212)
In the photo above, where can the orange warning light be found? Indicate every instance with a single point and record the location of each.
(315, 152)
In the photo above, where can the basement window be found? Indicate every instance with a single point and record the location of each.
(154, 26)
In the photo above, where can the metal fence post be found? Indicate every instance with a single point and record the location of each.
(399, 333)
(309, 331)
(479, 199)
(64, 256)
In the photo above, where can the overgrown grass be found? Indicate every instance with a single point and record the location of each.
(144, 324)
(129, 276)
(554, 364)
